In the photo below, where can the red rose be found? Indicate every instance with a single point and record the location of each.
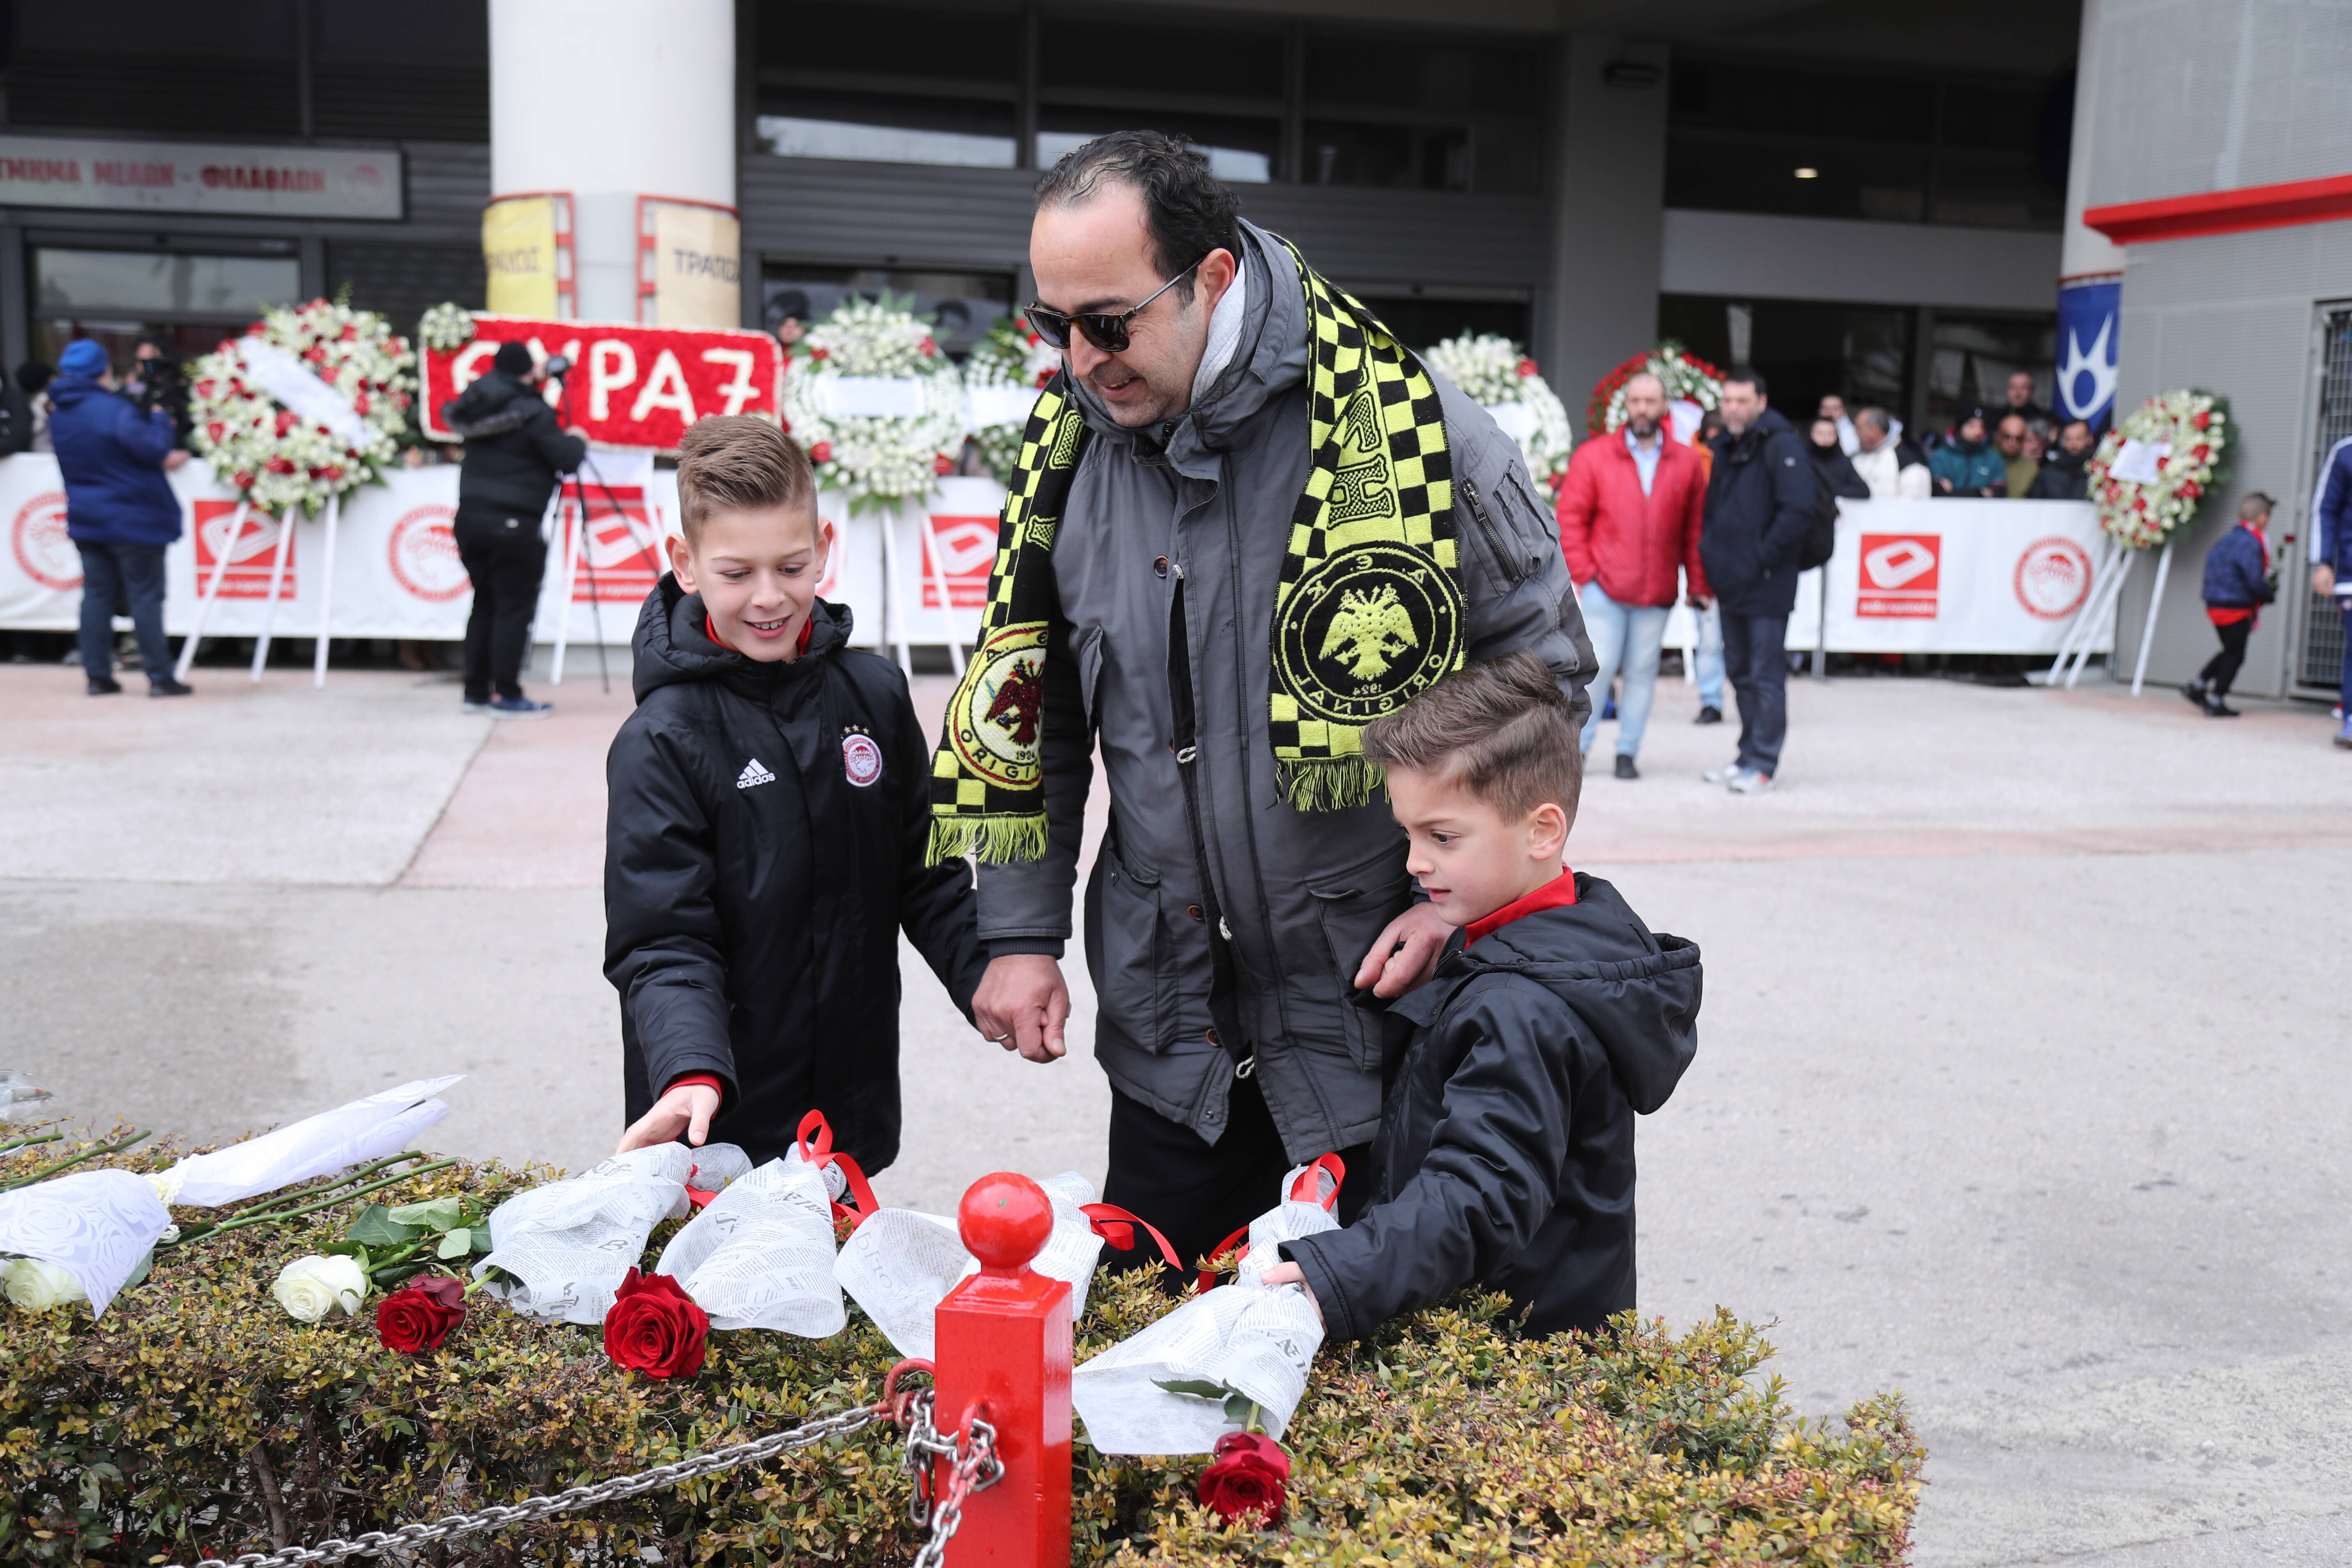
(817, 354)
(821, 453)
(2201, 420)
(420, 1314)
(244, 481)
(1246, 1479)
(929, 347)
(945, 465)
(2193, 489)
(217, 431)
(655, 1328)
(784, 424)
(1526, 367)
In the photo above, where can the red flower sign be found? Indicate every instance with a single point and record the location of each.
(630, 386)
(655, 1328)
(1247, 1480)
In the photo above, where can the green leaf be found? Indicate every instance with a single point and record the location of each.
(481, 1235)
(1198, 1388)
(433, 1213)
(457, 1244)
(1240, 1407)
(376, 1228)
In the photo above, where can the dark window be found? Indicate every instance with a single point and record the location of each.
(890, 83)
(403, 281)
(419, 71)
(1806, 348)
(960, 306)
(1970, 357)
(1421, 322)
(1412, 113)
(189, 301)
(1086, 55)
(1758, 136)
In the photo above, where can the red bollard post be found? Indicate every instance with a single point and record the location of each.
(1003, 1353)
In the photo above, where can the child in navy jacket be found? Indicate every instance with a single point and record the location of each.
(2238, 583)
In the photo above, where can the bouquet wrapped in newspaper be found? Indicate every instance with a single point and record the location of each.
(901, 1265)
(367, 1129)
(562, 1251)
(1228, 1354)
(760, 1255)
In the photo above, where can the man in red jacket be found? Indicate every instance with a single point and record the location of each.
(1629, 515)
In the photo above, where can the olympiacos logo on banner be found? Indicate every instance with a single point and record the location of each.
(43, 550)
(2053, 578)
(422, 550)
(632, 387)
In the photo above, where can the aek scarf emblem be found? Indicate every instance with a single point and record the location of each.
(1367, 614)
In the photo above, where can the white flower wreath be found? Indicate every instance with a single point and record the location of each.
(1010, 360)
(1496, 373)
(309, 403)
(876, 404)
(2150, 471)
(446, 326)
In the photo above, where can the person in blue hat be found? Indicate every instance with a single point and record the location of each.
(120, 512)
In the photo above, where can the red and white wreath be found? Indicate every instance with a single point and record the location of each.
(2150, 472)
(309, 403)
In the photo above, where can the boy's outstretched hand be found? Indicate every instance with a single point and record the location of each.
(1406, 953)
(686, 1109)
(1288, 1273)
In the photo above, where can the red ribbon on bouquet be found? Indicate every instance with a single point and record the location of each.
(1116, 1226)
(819, 1152)
(1306, 1189)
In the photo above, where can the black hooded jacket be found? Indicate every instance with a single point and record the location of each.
(764, 846)
(2061, 477)
(1760, 507)
(1506, 1149)
(514, 449)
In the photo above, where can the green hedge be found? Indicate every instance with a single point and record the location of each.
(198, 1415)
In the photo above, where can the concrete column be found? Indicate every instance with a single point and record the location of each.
(2085, 252)
(612, 99)
(1608, 213)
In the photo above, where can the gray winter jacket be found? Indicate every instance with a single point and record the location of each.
(1206, 501)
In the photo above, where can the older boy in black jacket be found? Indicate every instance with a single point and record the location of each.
(1506, 1149)
(766, 833)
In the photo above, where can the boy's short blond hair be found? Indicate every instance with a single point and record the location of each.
(733, 462)
(1502, 729)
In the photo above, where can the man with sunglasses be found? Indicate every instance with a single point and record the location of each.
(1226, 926)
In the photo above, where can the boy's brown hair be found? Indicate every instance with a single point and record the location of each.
(733, 462)
(1501, 729)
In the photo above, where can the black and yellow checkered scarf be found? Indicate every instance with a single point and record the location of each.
(1367, 614)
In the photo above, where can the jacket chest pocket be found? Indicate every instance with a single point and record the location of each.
(1353, 907)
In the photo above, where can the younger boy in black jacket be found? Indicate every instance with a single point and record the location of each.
(1506, 1149)
(767, 831)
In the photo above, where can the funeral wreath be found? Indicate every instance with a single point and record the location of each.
(873, 402)
(310, 402)
(1496, 373)
(2150, 472)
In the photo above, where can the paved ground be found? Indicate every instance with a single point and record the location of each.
(2020, 1084)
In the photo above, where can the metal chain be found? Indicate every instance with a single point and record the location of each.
(970, 1471)
(375, 1542)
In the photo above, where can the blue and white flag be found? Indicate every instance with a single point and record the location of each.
(2088, 322)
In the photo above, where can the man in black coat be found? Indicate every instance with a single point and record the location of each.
(514, 454)
(1760, 504)
(2062, 476)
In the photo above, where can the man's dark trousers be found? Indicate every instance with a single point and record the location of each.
(505, 559)
(1198, 1194)
(118, 573)
(1755, 657)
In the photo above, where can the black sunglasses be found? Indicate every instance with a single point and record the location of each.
(1105, 330)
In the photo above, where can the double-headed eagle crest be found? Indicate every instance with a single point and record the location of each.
(1369, 630)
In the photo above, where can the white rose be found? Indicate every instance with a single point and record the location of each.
(310, 1288)
(36, 1286)
(167, 1185)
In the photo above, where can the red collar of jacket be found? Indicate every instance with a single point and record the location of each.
(1561, 890)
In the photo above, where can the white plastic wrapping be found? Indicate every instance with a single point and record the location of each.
(384, 1124)
(901, 1265)
(760, 1255)
(1255, 1340)
(573, 1242)
(94, 1225)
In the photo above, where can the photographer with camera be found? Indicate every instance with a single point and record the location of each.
(515, 455)
(157, 380)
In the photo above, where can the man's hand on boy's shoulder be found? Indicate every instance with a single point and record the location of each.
(1406, 953)
(1022, 1004)
(686, 1109)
